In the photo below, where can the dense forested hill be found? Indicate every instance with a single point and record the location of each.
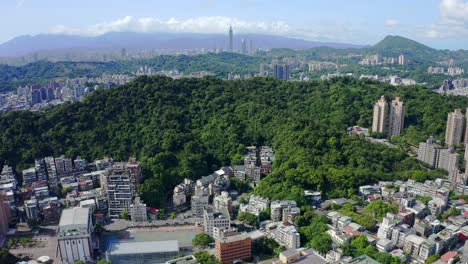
(189, 127)
(219, 64)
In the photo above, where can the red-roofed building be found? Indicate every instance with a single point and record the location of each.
(449, 256)
(461, 201)
(349, 230)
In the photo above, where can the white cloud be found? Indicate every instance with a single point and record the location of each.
(453, 20)
(392, 23)
(20, 3)
(214, 24)
(454, 10)
(211, 24)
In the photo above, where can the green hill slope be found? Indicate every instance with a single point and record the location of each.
(190, 127)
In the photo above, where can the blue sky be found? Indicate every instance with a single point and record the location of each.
(437, 23)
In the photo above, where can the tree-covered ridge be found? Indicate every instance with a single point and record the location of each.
(42, 71)
(189, 127)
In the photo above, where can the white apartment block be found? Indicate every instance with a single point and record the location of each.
(287, 236)
(397, 117)
(379, 121)
(119, 188)
(213, 221)
(454, 129)
(138, 211)
(198, 204)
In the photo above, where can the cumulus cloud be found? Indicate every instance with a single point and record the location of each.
(214, 24)
(453, 20)
(392, 23)
(210, 24)
(20, 3)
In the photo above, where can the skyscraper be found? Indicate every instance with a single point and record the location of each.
(281, 72)
(397, 116)
(379, 122)
(231, 40)
(244, 47)
(454, 130)
(251, 48)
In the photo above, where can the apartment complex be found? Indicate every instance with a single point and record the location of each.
(454, 130)
(397, 112)
(117, 182)
(379, 122)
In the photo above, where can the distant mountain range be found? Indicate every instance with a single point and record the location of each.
(23, 45)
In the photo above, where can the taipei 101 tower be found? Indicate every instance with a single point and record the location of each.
(231, 43)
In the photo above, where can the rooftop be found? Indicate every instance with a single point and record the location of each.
(364, 259)
(74, 217)
(148, 247)
(233, 238)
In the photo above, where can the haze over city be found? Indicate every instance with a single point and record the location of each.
(437, 23)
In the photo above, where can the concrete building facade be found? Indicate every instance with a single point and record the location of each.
(379, 121)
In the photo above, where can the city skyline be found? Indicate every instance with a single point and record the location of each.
(437, 23)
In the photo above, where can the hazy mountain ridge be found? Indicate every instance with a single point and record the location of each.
(23, 45)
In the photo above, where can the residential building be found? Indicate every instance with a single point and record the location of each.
(74, 236)
(413, 244)
(281, 72)
(198, 204)
(277, 208)
(223, 202)
(256, 205)
(31, 209)
(454, 130)
(448, 160)
(400, 233)
(215, 220)
(134, 168)
(287, 236)
(51, 171)
(80, 164)
(233, 248)
(397, 116)
(428, 152)
(182, 192)
(41, 169)
(401, 59)
(384, 245)
(290, 213)
(138, 210)
(63, 166)
(379, 122)
(339, 237)
(29, 176)
(119, 189)
(426, 250)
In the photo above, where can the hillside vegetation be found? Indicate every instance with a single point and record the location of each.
(189, 127)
